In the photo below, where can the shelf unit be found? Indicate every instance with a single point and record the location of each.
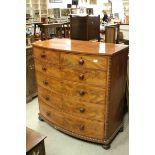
(126, 7)
(37, 8)
(107, 7)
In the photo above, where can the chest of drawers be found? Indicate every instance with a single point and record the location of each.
(81, 87)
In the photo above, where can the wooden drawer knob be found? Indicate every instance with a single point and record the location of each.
(81, 76)
(82, 110)
(48, 113)
(81, 61)
(82, 92)
(44, 68)
(43, 56)
(82, 127)
(45, 82)
(47, 98)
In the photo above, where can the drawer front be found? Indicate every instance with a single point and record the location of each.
(95, 77)
(47, 69)
(56, 117)
(83, 93)
(49, 83)
(83, 61)
(73, 124)
(52, 99)
(84, 110)
(46, 55)
(83, 127)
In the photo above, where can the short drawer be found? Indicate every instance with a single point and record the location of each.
(84, 127)
(46, 55)
(84, 110)
(47, 69)
(52, 99)
(83, 92)
(55, 117)
(83, 61)
(49, 83)
(95, 77)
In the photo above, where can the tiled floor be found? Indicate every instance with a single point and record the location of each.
(58, 143)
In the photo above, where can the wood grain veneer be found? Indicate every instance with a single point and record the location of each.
(85, 84)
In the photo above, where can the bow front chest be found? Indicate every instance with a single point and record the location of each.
(81, 87)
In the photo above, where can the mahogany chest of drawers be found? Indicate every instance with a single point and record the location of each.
(81, 87)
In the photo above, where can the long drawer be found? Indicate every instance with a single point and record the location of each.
(95, 77)
(46, 55)
(84, 110)
(49, 83)
(73, 124)
(48, 68)
(83, 61)
(83, 92)
(52, 99)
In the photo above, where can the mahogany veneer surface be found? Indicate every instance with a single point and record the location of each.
(81, 86)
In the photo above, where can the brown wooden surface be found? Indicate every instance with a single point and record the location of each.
(110, 34)
(85, 84)
(84, 76)
(75, 124)
(85, 27)
(117, 91)
(83, 61)
(78, 46)
(33, 138)
(31, 86)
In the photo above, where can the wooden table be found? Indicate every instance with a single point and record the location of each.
(45, 27)
(34, 143)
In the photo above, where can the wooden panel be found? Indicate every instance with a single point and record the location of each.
(76, 125)
(110, 34)
(84, 110)
(47, 69)
(84, 127)
(50, 114)
(83, 93)
(49, 83)
(46, 55)
(95, 77)
(83, 61)
(52, 99)
(117, 91)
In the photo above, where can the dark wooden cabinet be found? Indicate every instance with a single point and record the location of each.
(34, 143)
(31, 86)
(85, 27)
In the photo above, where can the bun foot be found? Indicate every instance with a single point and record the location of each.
(106, 146)
(40, 118)
(121, 129)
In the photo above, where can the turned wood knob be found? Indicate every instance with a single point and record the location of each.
(82, 127)
(82, 92)
(82, 110)
(45, 82)
(44, 68)
(48, 113)
(81, 61)
(43, 56)
(81, 76)
(47, 98)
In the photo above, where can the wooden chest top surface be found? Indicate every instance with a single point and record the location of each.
(33, 138)
(78, 46)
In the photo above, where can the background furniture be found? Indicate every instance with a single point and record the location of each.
(85, 27)
(31, 86)
(34, 143)
(81, 87)
(112, 34)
